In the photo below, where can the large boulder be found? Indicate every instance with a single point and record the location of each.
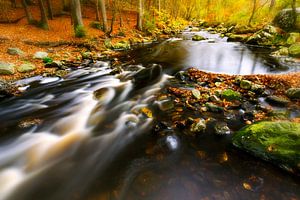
(285, 20)
(6, 68)
(278, 142)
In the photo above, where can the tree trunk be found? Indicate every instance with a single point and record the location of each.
(97, 11)
(29, 17)
(272, 4)
(13, 3)
(294, 13)
(65, 6)
(158, 5)
(140, 16)
(253, 12)
(44, 19)
(77, 18)
(50, 10)
(104, 16)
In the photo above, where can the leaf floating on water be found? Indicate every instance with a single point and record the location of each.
(247, 186)
(147, 112)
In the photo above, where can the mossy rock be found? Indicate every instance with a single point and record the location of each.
(293, 93)
(28, 67)
(285, 20)
(231, 95)
(293, 38)
(294, 50)
(7, 68)
(197, 38)
(278, 142)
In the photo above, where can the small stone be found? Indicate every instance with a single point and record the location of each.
(15, 51)
(40, 55)
(196, 93)
(198, 126)
(257, 88)
(245, 84)
(213, 108)
(293, 93)
(214, 98)
(7, 68)
(27, 67)
(221, 128)
(166, 105)
(86, 55)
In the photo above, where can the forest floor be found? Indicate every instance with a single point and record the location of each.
(59, 42)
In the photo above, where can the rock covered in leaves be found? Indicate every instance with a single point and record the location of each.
(278, 142)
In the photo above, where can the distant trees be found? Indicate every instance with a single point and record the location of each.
(27, 12)
(44, 20)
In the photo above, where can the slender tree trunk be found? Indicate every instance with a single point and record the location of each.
(104, 16)
(158, 5)
(253, 12)
(272, 4)
(294, 12)
(44, 19)
(29, 17)
(13, 3)
(77, 18)
(140, 16)
(64, 5)
(97, 11)
(50, 10)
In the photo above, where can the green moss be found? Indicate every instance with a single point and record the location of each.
(80, 31)
(231, 95)
(278, 142)
(96, 25)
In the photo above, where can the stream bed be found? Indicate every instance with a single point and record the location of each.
(85, 137)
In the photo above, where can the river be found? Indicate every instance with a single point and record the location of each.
(84, 137)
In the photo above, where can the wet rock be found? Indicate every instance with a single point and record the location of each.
(294, 50)
(166, 105)
(214, 108)
(196, 93)
(182, 76)
(277, 100)
(54, 64)
(277, 142)
(236, 37)
(15, 51)
(87, 55)
(293, 93)
(147, 76)
(198, 126)
(197, 38)
(214, 99)
(7, 68)
(100, 94)
(248, 116)
(279, 114)
(245, 84)
(24, 68)
(40, 55)
(221, 128)
(231, 95)
(283, 51)
(258, 89)
(5, 89)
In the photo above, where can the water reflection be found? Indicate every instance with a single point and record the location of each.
(214, 55)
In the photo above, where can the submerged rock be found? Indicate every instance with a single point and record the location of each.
(198, 126)
(221, 128)
(278, 142)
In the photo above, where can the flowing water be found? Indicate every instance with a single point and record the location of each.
(84, 137)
